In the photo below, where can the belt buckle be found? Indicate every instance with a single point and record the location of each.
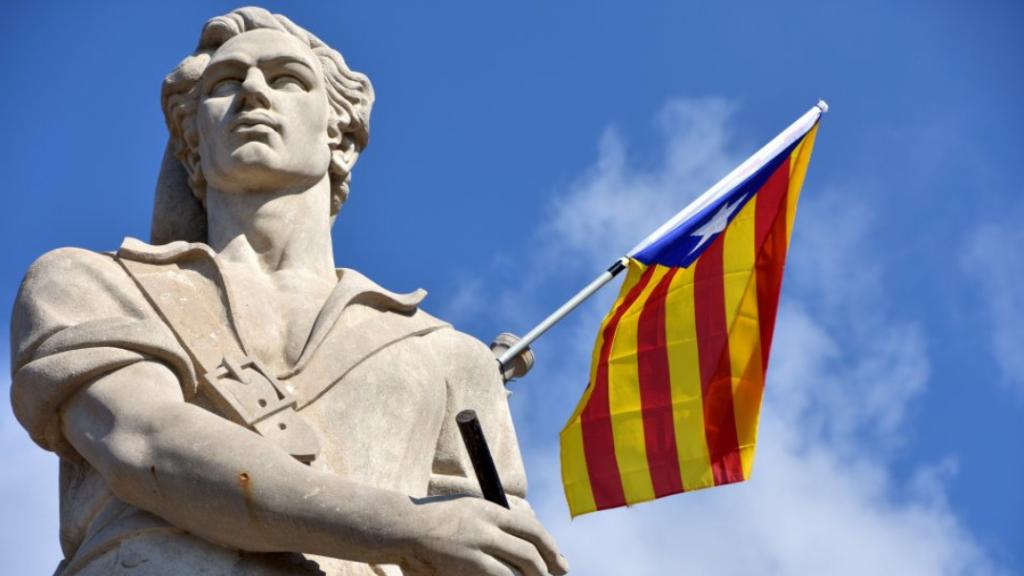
(247, 391)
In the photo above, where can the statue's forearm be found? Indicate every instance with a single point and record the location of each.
(221, 481)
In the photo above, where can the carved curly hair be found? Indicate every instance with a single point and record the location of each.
(349, 96)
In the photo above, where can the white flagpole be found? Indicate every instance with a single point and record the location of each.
(736, 177)
(562, 311)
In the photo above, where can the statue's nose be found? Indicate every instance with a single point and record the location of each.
(254, 90)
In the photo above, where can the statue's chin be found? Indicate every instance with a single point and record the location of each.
(255, 165)
(263, 165)
(255, 154)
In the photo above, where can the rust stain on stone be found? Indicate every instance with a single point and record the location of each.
(156, 481)
(246, 483)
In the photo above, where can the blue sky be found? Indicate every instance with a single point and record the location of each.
(517, 149)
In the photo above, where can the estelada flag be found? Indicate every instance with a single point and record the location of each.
(678, 371)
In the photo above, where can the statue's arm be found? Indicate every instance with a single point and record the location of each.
(475, 383)
(231, 486)
(221, 481)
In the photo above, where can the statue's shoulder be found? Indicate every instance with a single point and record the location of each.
(70, 286)
(73, 264)
(67, 278)
(454, 343)
(463, 357)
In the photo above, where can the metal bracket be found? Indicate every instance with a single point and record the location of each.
(518, 365)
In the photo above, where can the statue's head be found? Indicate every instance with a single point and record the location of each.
(262, 103)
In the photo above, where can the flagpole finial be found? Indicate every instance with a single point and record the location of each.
(822, 105)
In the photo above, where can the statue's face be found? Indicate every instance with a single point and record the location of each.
(263, 115)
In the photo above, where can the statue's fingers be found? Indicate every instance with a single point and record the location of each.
(520, 554)
(528, 528)
(490, 566)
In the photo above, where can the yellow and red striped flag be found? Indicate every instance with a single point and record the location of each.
(674, 394)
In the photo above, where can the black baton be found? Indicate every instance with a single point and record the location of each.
(480, 456)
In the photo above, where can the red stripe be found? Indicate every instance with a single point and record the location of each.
(715, 369)
(596, 422)
(770, 236)
(656, 392)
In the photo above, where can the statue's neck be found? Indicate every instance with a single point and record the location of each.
(273, 231)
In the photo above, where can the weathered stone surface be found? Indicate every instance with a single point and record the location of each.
(224, 400)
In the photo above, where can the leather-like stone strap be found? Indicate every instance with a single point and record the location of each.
(243, 391)
(191, 305)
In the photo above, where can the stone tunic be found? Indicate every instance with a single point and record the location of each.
(384, 418)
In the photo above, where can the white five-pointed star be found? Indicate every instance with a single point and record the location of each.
(717, 223)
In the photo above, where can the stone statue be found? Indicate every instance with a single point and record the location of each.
(224, 401)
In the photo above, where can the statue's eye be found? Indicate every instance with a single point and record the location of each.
(225, 87)
(288, 82)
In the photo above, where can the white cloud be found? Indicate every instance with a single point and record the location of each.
(847, 365)
(994, 259)
(845, 370)
(605, 209)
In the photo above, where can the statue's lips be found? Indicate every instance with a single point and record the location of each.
(248, 122)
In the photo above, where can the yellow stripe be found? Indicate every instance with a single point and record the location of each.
(633, 274)
(738, 260)
(575, 476)
(798, 161)
(684, 373)
(624, 399)
(744, 332)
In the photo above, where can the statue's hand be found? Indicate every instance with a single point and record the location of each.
(467, 536)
